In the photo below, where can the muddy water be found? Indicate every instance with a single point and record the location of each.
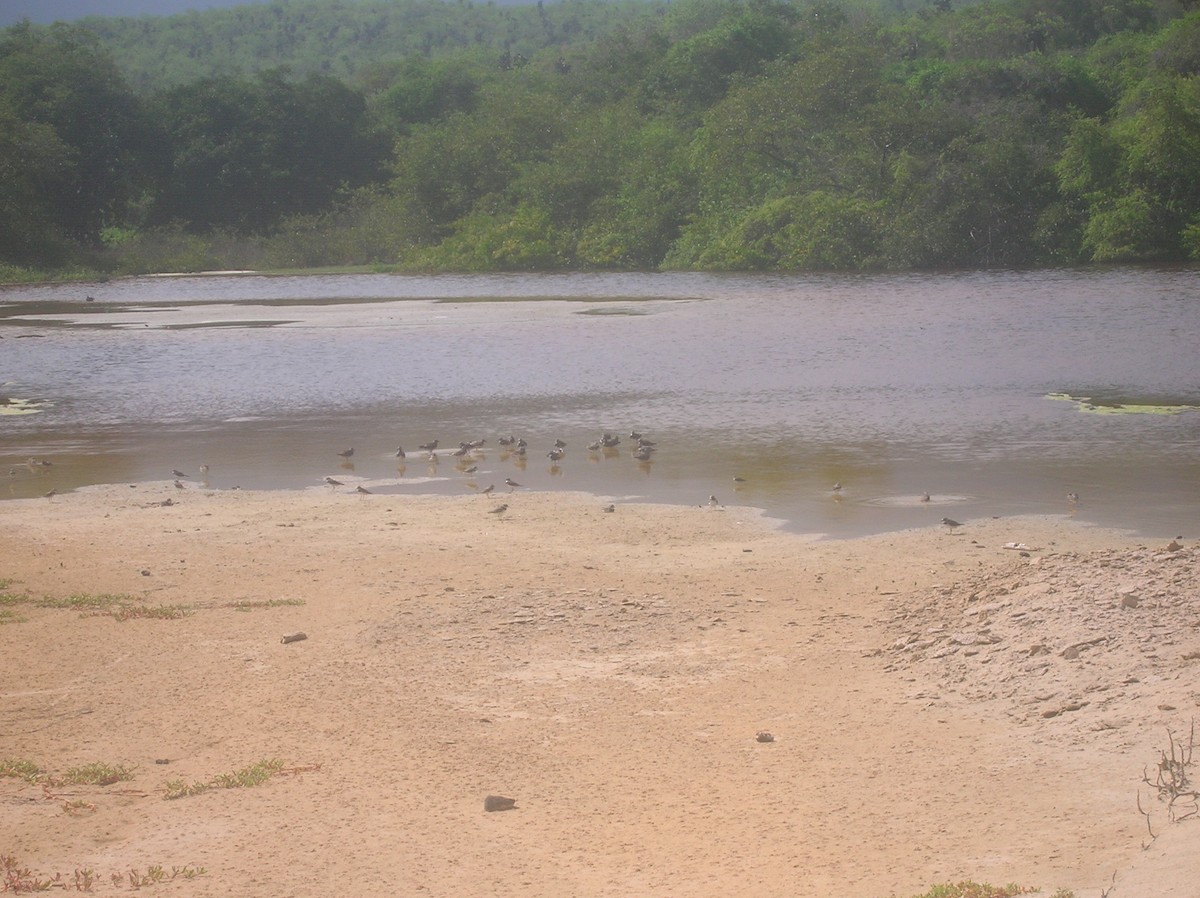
(764, 391)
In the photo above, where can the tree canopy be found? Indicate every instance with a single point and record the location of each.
(704, 134)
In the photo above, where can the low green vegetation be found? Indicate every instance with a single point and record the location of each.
(247, 605)
(98, 773)
(19, 879)
(700, 134)
(120, 606)
(969, 889)
(254, 775)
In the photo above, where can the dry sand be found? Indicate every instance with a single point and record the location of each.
(942, 707)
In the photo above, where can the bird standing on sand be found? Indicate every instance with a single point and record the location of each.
(951, 523)
(429, 447)
(499, 509)
(924, 497)
(333, 482)
(511, 484)
(178, 473)
(712, 502)
(488, 491)
(178, 485)
(362, 491)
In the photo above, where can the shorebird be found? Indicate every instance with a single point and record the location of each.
(333, 482)
(643, 453)
(488, 491)
(428, 447)
(178, 485)
(712, 501)
(511, 484)
(51, 494)
(634, 435)
(924, 497)
(471, 470)
(560, 444)
(178, 473)
(610, 508)
(507, 441)
(837, 487)
(644, 443)
(362, 491)
(1073, 498)
(400, 452)
(347, 453)
(555, 454)
(609, 440)
(951, 523)
(463, 449)
(204, 470)
(594, 446)
(499, 509)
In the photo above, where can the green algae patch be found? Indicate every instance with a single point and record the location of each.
(10, 405)
(1094, 406)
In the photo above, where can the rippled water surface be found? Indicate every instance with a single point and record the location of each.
(894, 386)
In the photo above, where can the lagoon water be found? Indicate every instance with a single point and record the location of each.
(892, 385)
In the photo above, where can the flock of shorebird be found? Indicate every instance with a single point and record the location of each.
(469, 453)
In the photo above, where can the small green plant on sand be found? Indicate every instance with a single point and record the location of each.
(86, 601)
(968, 889)
(247, 605)
(155, 875)
(97, 773)
(254, 775)
(8, 616)
(22, 769)
(156, 612)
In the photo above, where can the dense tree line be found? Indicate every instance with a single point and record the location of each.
(711, 134)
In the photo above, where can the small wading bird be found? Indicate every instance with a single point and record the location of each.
(555, 454)
(178, 473)
(490, 487)
(362, 491)
(428, 447)
(499, 509)
(951, 523)
(347, 453)
(333, 482)
(400, 452)
(511, 484)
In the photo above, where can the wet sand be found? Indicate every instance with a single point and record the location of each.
(941, 705)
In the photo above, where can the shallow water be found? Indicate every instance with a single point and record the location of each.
(893, 386)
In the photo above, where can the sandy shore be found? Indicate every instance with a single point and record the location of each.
(942, 706)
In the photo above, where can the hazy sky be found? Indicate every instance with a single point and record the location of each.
(52, 10)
